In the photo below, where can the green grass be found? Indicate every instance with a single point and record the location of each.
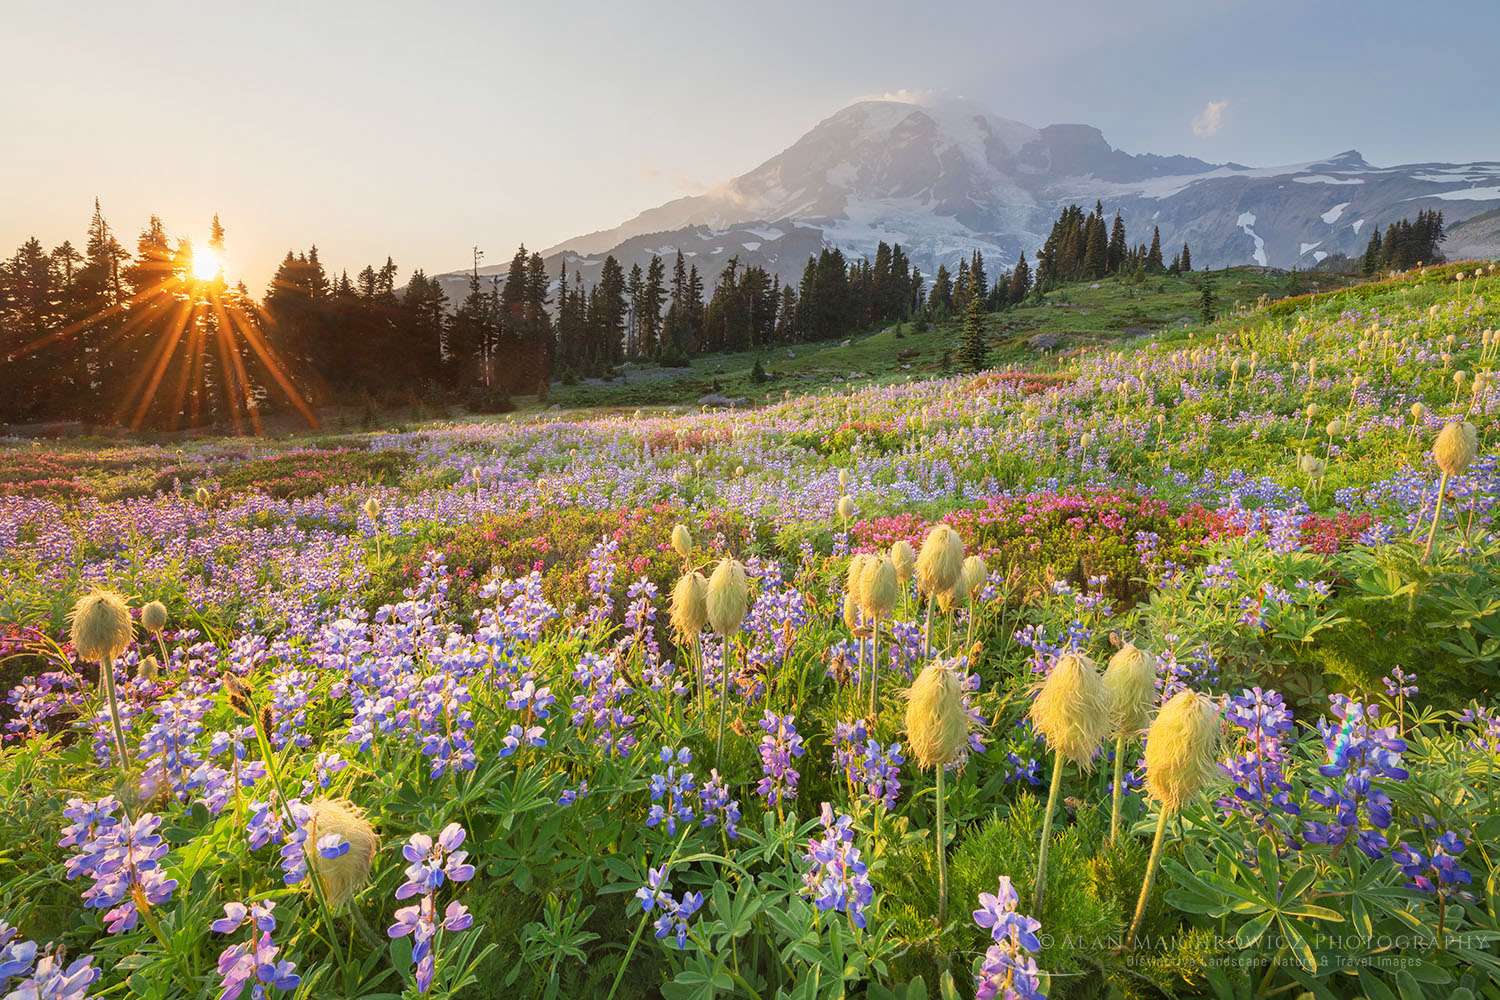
(1082, 316)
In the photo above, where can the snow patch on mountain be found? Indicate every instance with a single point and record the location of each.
(1308, 246)
(1357, 226)
(1245, 221)
(1332, 215)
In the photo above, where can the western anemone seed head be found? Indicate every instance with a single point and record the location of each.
(690, 604)
(845, 507)
(372, 508)
(1335, 427)
(1072, 709)
(905, 558)
(1418, 411)
(346, 874)
(682, 540)
(879, 586)
(937, 727)
(1086, 441)
(149, 668)
(1455, 447)
(1311, 411)
(202, 495)
(154, 616)
(1130, 682)
(101, 626)
(851, 612)
(728, 596)
(1313, 466)
(1182, 749)
(1459, 377)
(941, 560)
(854, 574)
(843, 480)
(975, 573)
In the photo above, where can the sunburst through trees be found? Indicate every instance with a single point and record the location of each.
(156, 339)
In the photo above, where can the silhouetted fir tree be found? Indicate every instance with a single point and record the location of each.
(1153, 256)
(940, 299)
(1206, 298)
(972, 350)
(633, 286)
(1374, 255)
(1114, 255)
(1187, 258)
(978, 281)
(1095, 257)
(1020, 280)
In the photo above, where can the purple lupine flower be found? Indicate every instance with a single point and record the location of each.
(717, 805)
(254, 963)
(836, 878)
(50, 980)
(16, 957)
(1438, 873)
(1258, 765)
(1360, 754)
(676, 787)
(778, 747)
(431, 864)
(1008, 971)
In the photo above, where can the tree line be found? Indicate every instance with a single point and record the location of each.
(1406, 244)
(142, 338)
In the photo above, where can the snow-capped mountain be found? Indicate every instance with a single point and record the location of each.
(947, 179)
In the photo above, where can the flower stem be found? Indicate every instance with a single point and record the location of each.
(723, 706)
(1432, 533)
(107, 673)
(1114, 814)
(1140, 906)
(942, 853)
(1041, 857)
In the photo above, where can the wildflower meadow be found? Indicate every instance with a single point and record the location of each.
(1165, 669)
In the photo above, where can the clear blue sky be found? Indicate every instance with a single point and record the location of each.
(419, 129)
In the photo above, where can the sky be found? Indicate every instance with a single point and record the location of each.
(419, 130)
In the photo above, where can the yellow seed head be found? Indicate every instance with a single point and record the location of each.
(941, 560)
(843, 480)
(728, 597)
(1072, 709)
(1130, 681)
(1182, 749)
(682, 540)
(974, 575)
(690, 604)
(1335, 428)
(854, 577)
(202, 495)
(101, 626)
(936, 724)
(845, 507)
(905, 558)
(1418, 411)
(879, 586)
(149, 668)
(1455, 447)
(851, 612)
(372, 508)
(154, 616)
(345, 875)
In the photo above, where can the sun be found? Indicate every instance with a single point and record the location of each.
(208, 264)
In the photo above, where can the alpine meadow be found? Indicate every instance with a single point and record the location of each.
(953, 559)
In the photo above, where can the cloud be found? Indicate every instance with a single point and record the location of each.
(1211, 119)
(904, 96)
(650, 171)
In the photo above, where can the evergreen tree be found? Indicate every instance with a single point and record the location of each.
(972, 349)
(1373, 253)
(1153, 256)
(940, 299)
(1020, 281)
(1187, 258)
(1206, 298)
(1114, 257)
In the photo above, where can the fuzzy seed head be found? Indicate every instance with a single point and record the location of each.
(905, 558)
(941, 560)
(202, 495)
(1182, 749)
(149, 668)
(1455, 447)
(682, 540)
(345, 875)
(854, 576)
(851, 612)
(101, 626)
(372, 508)
(879, 586)
(154, 616)
(843, 480)
(937, 727)
(728, 597)
(1418, 411)
(690, 604)
(1312, 409)
(845, 507)
(1335, 428)
(1130, 682)
(1072, 709)
(974, 575)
